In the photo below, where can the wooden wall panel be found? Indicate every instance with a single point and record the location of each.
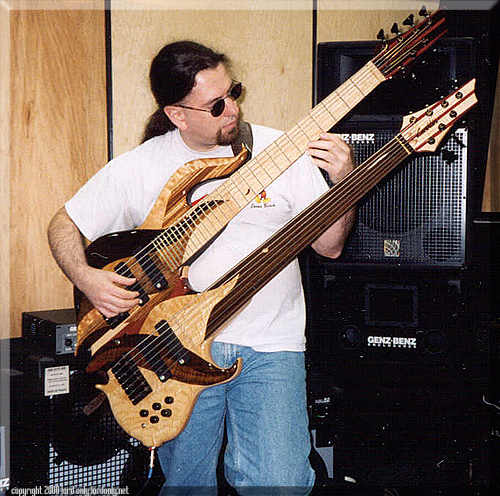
(271, 51)
(491, 196)
(359, 20)
(58, 139)
(4, 171)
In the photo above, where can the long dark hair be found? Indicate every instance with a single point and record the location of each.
(172, 75)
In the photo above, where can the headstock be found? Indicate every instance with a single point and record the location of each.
(400, 51)
(424, 130)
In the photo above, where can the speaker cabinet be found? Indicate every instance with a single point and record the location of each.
(421, 214)
(56, 442)
(417, 215)
(399, 368)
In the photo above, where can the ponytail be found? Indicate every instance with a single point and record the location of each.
(157, 124)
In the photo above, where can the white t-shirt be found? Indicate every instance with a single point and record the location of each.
(120, 196)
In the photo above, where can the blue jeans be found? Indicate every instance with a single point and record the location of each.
(268, 441)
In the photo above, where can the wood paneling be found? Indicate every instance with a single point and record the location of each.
(491, 197)
(58, 139)
(362, 19)
(55, 89)
(271, 51)
(4, 171)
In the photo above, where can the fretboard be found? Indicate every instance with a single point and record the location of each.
(253, 177)
(258, 268)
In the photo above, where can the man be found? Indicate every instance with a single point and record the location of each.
(264, 408)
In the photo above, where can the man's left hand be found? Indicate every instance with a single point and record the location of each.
(332, 154)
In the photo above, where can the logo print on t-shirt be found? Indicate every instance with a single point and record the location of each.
(262, 201)
(262, 197)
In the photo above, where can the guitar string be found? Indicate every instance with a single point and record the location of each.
(313, 215)
(238, 295)
(147, 264)
(192, 311)
(382, 55)
(378, 59)
(250, 287)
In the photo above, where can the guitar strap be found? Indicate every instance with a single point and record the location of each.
(244, 137)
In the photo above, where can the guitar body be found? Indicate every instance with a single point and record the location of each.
(156, 358)
(155, 376)
(123, 252)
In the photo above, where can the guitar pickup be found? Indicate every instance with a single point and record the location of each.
(152, 271)
(150, 354)
(175, 350)
(117, 319)
(123, 270)
(131, 380)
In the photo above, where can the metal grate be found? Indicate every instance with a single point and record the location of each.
(417, 213)
(87, 451)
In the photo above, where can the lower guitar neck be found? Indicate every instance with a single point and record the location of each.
(279, 250)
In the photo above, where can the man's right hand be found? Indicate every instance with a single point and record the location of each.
(105, 290)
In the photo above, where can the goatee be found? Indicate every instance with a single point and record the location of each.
(229, 137)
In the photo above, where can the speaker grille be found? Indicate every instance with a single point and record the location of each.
(417, 214)
(93, 451)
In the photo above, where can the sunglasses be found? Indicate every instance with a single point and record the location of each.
(219, 106)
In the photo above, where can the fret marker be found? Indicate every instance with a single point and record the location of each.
(265, 250)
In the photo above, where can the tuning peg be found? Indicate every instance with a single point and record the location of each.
(409, 21)
(395, 29)
(381, 35)
(423, 12)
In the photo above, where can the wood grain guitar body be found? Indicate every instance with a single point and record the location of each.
(154, 377)
(173, 232)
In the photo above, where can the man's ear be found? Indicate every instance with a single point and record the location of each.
(176, 115)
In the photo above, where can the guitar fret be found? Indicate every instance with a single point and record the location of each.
(228, 209)
(323, 117)
(353, 95)
(251, 180)
(265, 163)
(322, 110)
(210, 229)
(299, 138)
(219, 212)
(264, 172)
(225, 207)
(245, 189)
(278, 158)
(303, 143)
(175, 246)
(162, 252)
(335, 106)
(201, 229)
(283, 146)
(303, 126)
(298, 151)
(362, 82)
(219, 224)
(235, 192)
(320, 128)
(286, 151)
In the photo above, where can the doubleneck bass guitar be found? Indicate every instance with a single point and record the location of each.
(155, 376)
(175, 230)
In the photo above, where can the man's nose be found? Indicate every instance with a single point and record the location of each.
(231, 107)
